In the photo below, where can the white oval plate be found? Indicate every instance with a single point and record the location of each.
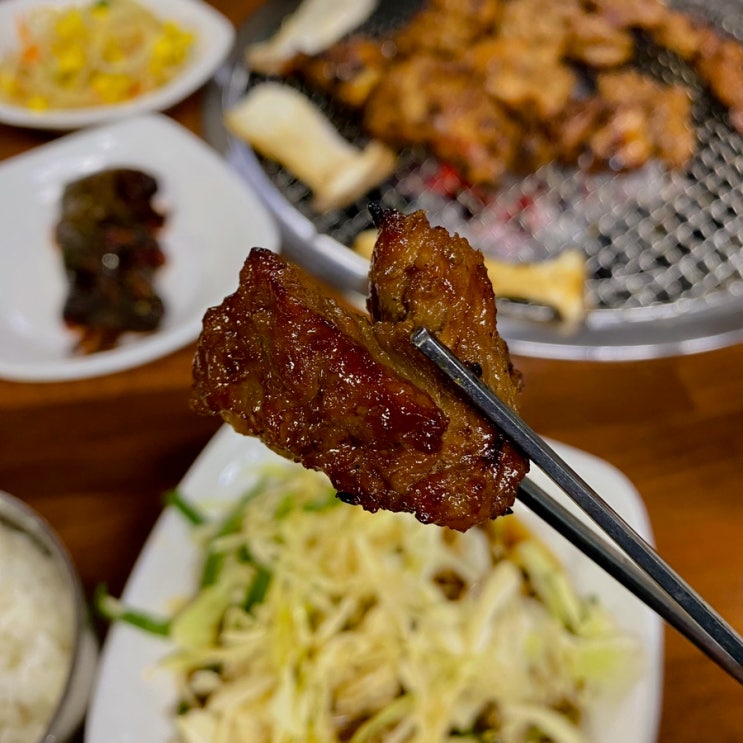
(212, 221)
(134, 700)
(214, 38)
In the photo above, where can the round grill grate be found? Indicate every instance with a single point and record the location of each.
(663, 248)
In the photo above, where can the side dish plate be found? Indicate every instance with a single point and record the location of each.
(212, 221)
(134, 700)
(214, 38)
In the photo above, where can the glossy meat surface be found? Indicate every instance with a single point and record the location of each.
(278, 360)
(424, 277)
(350, 395)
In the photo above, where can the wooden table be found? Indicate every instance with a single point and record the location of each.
(94, 457)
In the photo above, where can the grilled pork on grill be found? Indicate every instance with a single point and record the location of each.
(349, 394)
(494, 87)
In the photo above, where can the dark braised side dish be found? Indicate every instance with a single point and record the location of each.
(107, 232)
(349, 394)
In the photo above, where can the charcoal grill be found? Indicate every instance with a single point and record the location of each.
(664, 249)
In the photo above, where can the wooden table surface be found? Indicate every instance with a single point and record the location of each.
(94, 457)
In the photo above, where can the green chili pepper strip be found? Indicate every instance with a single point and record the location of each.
(113, 610)
(186, 509)
(258, 587)
(233, 523)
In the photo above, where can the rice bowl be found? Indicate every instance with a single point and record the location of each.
(47, 648)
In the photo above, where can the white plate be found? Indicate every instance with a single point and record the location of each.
(133, 699)
(212, 221)
(214, 38)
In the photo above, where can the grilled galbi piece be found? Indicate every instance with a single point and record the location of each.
(348, 71)
(424, 277)
(349, 395)
(421, 276)
(436, 102)
(280, 361)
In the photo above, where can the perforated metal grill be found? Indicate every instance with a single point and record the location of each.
(659, 244)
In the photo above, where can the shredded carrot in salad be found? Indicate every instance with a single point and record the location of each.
(109, 51)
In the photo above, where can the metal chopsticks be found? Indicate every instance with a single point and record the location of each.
(636, 565)
(620, 567)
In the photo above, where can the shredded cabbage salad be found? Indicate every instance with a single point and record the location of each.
(318, 622)
(103, 52)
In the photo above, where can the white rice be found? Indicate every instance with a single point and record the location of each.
(36, 637)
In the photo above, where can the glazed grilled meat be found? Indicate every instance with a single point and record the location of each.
(279, 360)
(524, 77)
(425, 277)
(437, 102)
(349, 394)
(643, 120)
(347, 72)
(446, 27)
(421, 276)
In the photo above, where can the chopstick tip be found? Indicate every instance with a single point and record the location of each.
(420, 336)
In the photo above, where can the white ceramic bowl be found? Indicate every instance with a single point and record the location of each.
(214, 38)
(212, 221)
(73, 700)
